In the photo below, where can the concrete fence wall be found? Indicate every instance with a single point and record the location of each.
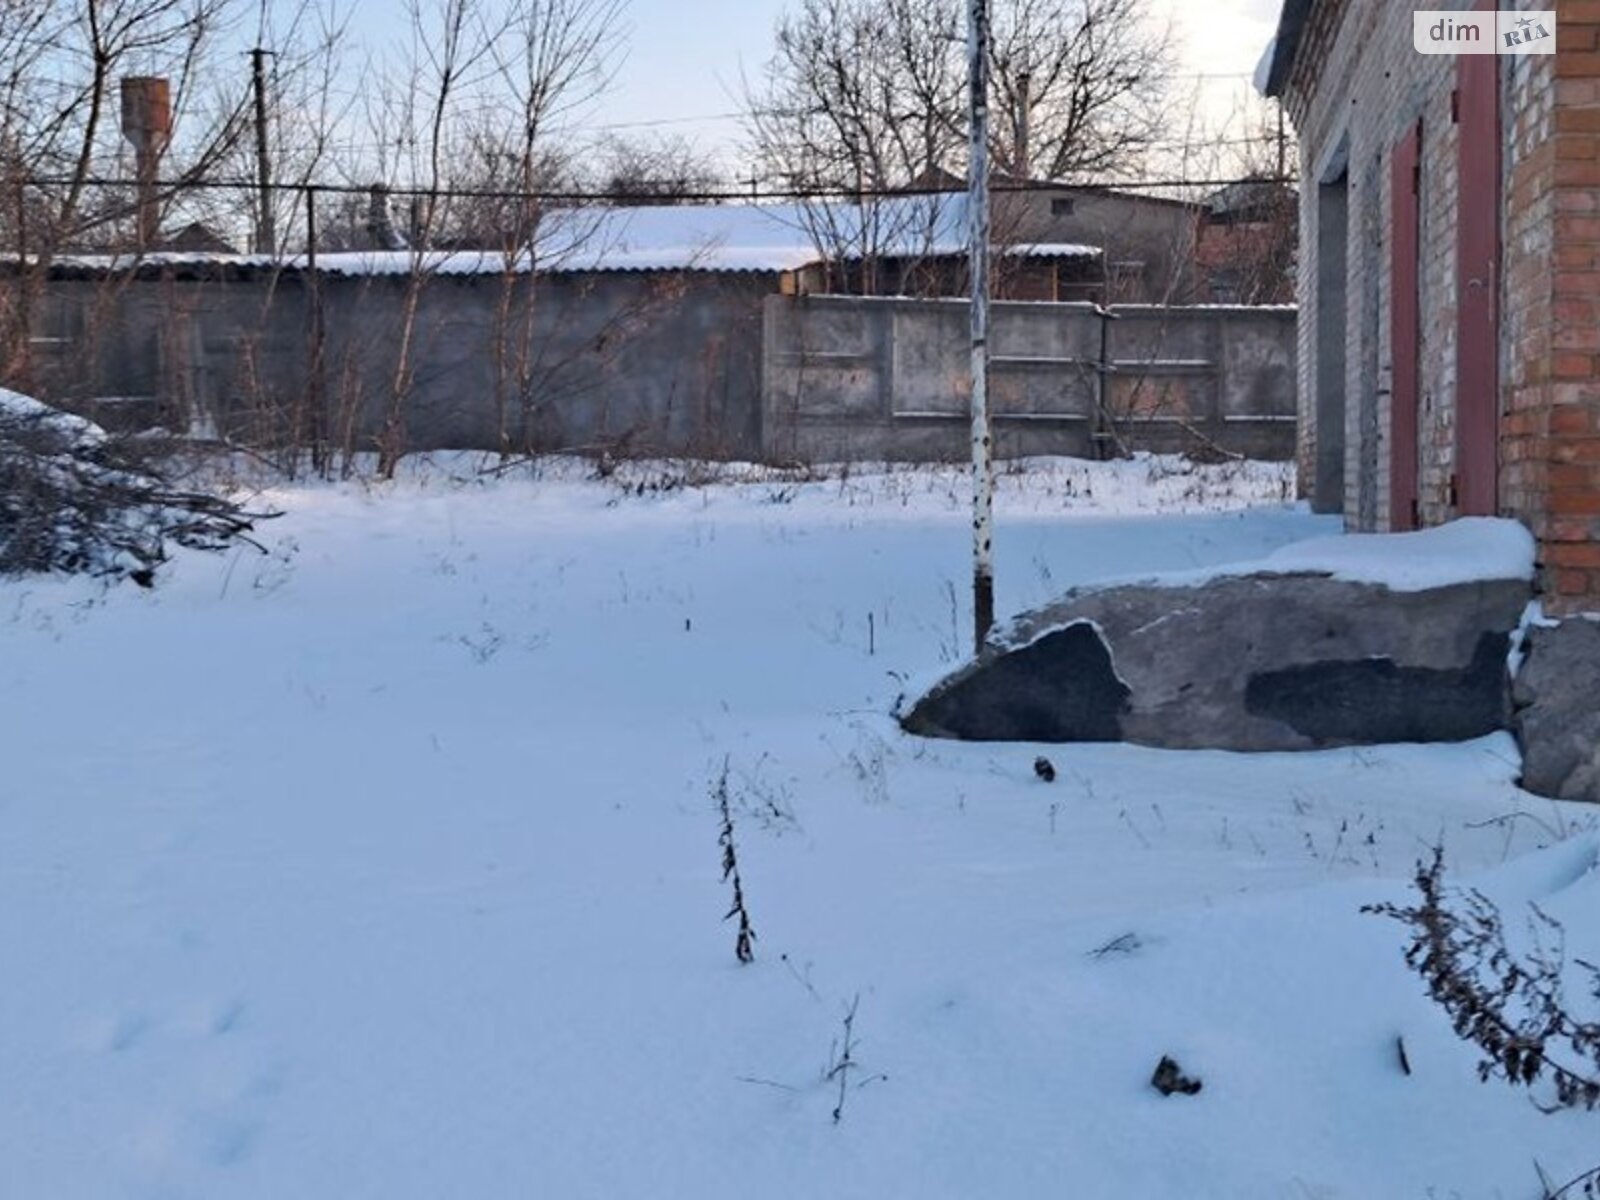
(637, 363)
(850, 377)
(703, 364)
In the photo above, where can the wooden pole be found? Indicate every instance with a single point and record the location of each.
(266, 234)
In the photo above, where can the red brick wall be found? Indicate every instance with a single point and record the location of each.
(1257, 255)
(1550, 427)
(1357, 80)
(1571, 538)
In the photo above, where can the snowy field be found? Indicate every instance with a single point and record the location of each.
(386, 865)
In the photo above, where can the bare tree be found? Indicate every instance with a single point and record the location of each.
(1079, 85)
(309, 110)
(861, 97)
(447, 57)
(1249, 231)
(61, 62)
(864, 97)
(558, 57)
(478, 105)
(90, 45)
(653, 170)
(867, 94)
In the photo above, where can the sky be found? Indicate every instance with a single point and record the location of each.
(685, 60)
(686, 57)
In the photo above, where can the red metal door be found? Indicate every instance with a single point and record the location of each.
(1477, 283)
(1404, 328)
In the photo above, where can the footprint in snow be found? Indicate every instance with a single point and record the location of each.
(228, 1017)
(227, 1142)
(126, 1032)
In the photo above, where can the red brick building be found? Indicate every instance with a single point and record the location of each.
(1246, 236)
(1449, 274)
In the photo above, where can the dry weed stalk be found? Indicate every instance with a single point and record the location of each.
(744, 942)
(1510, 1006)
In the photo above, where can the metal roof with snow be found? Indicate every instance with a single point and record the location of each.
(749, 237)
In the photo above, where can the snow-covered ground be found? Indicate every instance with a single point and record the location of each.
(386, 865)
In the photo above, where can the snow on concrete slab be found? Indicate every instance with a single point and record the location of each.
(384, 864)
(1463, 551)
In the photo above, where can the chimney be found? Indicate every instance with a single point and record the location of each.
(147, 123)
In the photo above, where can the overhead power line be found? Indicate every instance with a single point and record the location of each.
(707, 119)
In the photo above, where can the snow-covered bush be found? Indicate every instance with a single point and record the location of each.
(74, 499)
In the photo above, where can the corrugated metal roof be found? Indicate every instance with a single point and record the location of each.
(765, 238)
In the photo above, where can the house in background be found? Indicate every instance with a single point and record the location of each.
(908, 245)
(1148, 241)
(1246, 238)
(1449, 270)
(1236, 246)
(198, 238)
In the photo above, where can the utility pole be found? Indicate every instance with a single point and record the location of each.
(978, 232)
(266, 234)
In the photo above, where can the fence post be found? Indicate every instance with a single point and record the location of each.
(1103, 431)
(314, 396)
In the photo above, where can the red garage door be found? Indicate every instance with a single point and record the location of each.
(1477, 282)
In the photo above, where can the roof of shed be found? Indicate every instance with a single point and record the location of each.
(751, 237)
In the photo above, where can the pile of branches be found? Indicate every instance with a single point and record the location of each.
(73, 499)
(1510, 1006)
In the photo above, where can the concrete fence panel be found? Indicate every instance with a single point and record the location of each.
(848, 377)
